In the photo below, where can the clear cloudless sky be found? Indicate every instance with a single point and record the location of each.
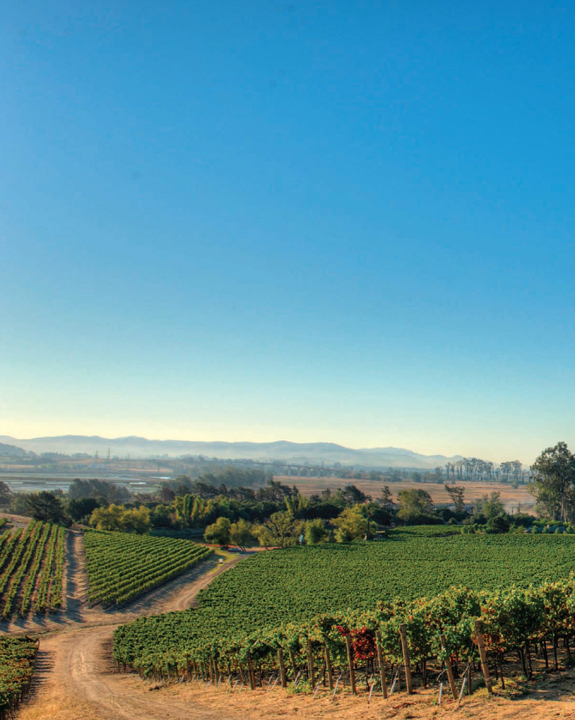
(313, 221)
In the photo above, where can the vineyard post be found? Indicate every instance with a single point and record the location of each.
(251, 674)
(328, 667)
(282, 667)
(350, 664)
(381, 664)
(483, 656)
(405, 651)
(310, 663)
(449, 668)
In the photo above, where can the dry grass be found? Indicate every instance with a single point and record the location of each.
(473, 490)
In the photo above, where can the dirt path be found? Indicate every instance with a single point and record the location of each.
(75, 677)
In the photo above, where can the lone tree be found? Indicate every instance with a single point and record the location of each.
(456, 493)
(413, 504)
(554, 484)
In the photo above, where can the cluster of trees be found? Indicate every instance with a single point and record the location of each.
(474, 469)
(284, 528)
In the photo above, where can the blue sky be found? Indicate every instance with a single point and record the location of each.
(349, 222)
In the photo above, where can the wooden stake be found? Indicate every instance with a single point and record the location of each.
(483, 656)
(328, 668)
(282, 667)
(251, 674)
(310, 663)
(405, 651)
(449, 669)
(350, 664)
(381, 664)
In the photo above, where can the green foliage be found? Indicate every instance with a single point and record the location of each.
(554, 484)
(27, 559)
(47, 507)
(457, 495)
(103, 489)
(498, 524)
(121, 566)
(352, 524)
(19, 504)
(219, 532)
(490, 506)
(279, 530)
(414, 505)
(316, 532)
(241, 533)
(17, 656)
(5, 493)
(121, 519)
(294, 585)
(81, 509)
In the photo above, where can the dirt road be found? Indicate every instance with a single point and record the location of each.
(75, 678)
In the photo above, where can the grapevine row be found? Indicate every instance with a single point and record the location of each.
(34, 571)
(17, 656)
(34, 539)
(56, 585)
(41, 604)
(17, 553)
(121, 566)
(439, 632)
(27, 559)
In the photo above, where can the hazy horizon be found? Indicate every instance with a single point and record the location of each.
(436, 452)
(307, 221)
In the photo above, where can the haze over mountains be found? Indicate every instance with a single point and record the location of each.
(289, 452)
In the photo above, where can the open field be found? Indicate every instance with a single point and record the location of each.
(521, 497)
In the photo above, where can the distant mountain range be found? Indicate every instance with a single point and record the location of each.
(289, 452)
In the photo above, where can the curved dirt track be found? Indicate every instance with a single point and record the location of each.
(75, 678)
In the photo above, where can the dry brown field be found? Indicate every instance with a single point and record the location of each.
(513, 499)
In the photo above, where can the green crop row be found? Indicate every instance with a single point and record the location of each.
(17, 655)
(27, 569)
(121, 566)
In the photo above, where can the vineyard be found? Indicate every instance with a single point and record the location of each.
(17, 655)
(31, 569)
(310, 603)
(121, 566)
